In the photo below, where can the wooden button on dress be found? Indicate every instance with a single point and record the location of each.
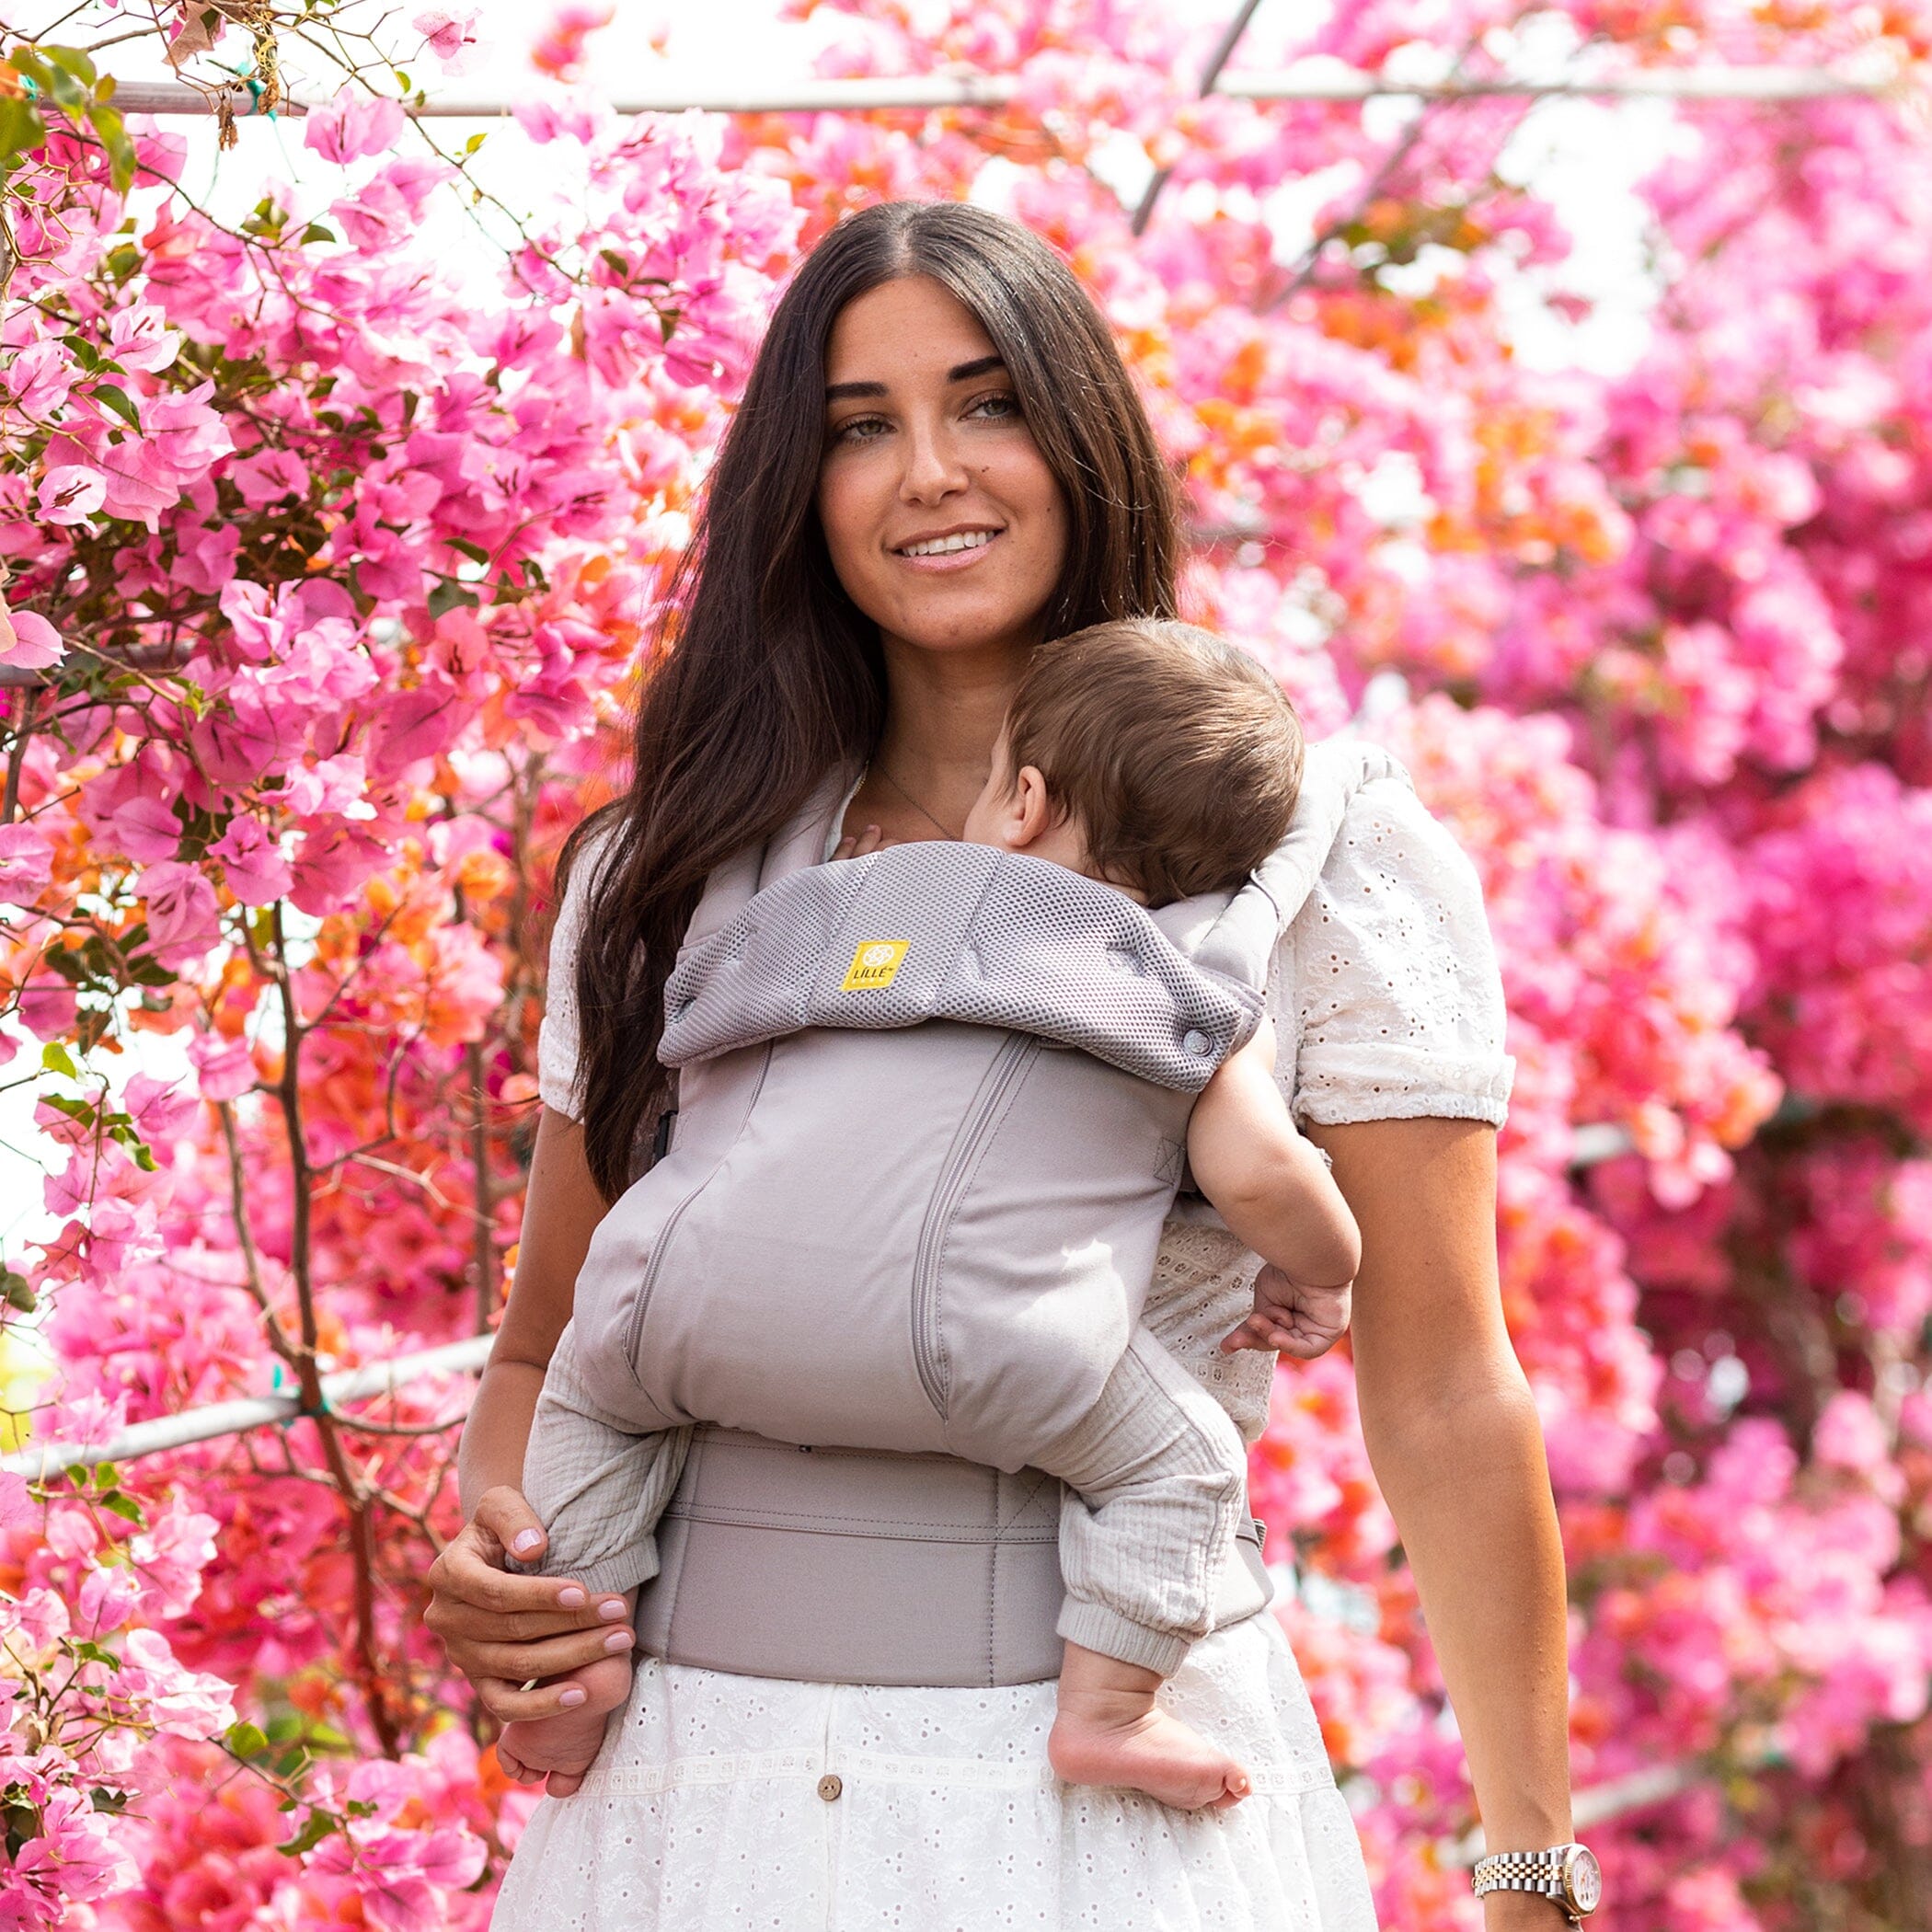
(830, 1786)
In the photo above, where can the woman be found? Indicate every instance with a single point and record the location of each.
(940, 461)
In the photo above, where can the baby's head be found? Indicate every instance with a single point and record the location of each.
(1146, 752)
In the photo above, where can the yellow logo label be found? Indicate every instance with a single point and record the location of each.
(874, 964)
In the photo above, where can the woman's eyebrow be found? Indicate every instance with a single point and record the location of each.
(959, 372)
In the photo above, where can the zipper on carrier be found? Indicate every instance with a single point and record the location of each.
(997, 1083)
(633, 1328)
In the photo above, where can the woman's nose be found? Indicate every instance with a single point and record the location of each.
(933, 468)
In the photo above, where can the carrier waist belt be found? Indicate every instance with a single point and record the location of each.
(842, 1566)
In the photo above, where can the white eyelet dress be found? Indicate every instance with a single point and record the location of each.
(723, 1803)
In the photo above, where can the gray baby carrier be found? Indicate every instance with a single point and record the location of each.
(932, 1115)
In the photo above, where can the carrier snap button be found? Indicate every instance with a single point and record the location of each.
(830, 1786)
(1196, 1042)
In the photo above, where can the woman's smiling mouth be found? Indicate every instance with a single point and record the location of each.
(948, 549)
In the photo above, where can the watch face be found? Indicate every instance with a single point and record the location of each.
(1585, 1878)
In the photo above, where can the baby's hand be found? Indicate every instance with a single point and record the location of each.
(867, 842)
(1292, 1320)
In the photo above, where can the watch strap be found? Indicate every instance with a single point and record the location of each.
(1539, 1872)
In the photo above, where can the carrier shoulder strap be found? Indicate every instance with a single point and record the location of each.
(800, 842)
(1235, 935)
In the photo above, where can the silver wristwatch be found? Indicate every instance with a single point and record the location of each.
(1566, 1873)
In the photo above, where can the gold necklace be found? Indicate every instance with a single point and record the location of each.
(880, 767)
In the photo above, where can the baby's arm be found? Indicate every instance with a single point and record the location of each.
(597, 1486)
(1274, 1190)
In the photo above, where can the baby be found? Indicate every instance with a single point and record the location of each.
(1156, 760)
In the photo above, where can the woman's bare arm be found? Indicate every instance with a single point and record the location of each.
(1453, 1434)
(561, 1210)
(502, 1629)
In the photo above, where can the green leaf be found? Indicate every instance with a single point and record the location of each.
(80, 1111)
(319, 232)
(21, 128)
(118, 401)
(474, 143)
(475, 552)
(91, 1652)
(317, 1827)
(67, 88)
(244, 1739)
(71, 61)
(18, 1292)
(107, 1801)
(56, 1059)
(125, 1506)
(447, 596)
(113, 137)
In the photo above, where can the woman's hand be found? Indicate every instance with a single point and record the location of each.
(503, 1630)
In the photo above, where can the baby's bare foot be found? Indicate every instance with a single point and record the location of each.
(1093, 1744)
(562, 1748)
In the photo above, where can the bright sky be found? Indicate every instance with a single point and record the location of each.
(1583, 157)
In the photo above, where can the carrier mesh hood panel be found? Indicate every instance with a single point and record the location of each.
(959, 932)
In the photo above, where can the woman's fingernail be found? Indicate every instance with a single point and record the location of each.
(610, 1609)
(571, 1695)
(525, 1541)
(572, 1598)
(618, 1640)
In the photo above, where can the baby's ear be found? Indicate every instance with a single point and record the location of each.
(1031, 808)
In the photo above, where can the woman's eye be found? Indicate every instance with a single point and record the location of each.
(861, 428)
(1001, 406)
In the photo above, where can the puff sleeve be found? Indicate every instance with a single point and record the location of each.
(1386, 982)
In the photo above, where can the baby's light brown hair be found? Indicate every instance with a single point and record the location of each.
(1178, 754)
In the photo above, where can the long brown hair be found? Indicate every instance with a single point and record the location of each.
(766, 675)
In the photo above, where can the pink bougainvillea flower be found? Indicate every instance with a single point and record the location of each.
(109, 1594)
(70, 493)
(560, 50)
(269, 475)
(146, 829)
(26, 863)
(139, 337)
(28, 642)
(451, 37)
(353, 124)
(38, 378)
(225, 1067)
(182, 912)
(252, 864)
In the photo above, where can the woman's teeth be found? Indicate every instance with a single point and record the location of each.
(939, 546)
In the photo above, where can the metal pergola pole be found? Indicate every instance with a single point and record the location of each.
(870, 94)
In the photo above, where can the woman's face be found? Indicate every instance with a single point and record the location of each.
(943, 523)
